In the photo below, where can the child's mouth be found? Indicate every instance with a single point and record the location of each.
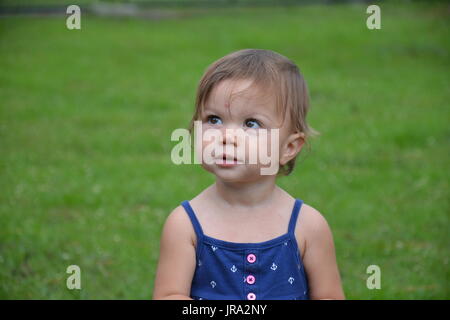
(227, 161)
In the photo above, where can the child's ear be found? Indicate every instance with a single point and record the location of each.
(292, 147)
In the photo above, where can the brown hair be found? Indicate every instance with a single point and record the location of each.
(270, 71)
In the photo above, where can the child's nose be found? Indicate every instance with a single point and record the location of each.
(229, 137)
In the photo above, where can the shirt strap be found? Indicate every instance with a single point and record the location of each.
(294, 216)
(195, 223)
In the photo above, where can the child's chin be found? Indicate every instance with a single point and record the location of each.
(235, 174)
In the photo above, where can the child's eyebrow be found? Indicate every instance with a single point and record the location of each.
(260, 115)
(207, 109)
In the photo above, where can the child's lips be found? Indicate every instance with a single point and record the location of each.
(227, 161)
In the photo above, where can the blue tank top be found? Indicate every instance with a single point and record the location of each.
(269, 270)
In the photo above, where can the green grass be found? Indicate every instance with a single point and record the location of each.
(139, 2)
(86, 118)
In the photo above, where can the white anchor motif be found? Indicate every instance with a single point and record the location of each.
(285, 243)
(199, 263)
(213, 284)
(213, 248)
(274, 266)
(291, 280)
(233, 268)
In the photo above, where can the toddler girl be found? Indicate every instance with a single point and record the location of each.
(244, 237)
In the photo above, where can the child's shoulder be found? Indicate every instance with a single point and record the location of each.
(178, 226)
(312, 227)
(179, 222)
(311, 216)
(309, 220)
(177, 216)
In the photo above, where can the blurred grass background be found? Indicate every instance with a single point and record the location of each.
(86, 117)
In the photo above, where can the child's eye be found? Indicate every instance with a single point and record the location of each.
(214, 120)
(252, 123)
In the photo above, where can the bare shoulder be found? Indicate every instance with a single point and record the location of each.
(319, 256)
(311, 224)
(176, 264)
(311, 220)
(178, 226)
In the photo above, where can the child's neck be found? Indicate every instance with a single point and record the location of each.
(246, 194)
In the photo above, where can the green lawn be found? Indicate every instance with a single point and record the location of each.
(86, 118)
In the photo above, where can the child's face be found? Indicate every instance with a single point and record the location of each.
(252, 112)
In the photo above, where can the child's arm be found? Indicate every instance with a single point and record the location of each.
(177, 261)
(320, 259)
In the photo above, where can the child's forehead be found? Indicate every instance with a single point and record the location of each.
(229, 93)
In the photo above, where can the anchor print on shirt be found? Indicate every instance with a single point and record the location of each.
(291, 280)
(213, 284)
(274, 266)
(213, 248)
(233, 268)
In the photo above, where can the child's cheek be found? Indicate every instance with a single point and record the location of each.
(251, 147)
(208, 151)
